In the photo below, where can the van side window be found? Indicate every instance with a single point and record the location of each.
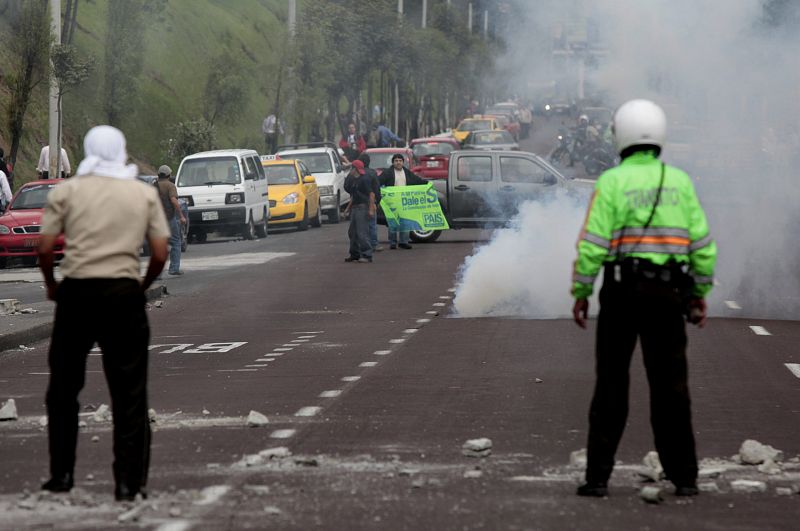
(249, 169)
(474, 169)
(521, 170)
(259, 168)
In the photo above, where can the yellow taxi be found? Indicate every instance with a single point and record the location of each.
(468, 125)
(293, 194)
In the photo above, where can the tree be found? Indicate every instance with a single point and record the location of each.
(190, 137)
(225, 90)
(70, 71)
(29, 43)
(70, 21)
(123, 58)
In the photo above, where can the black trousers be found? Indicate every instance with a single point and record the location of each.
(360, 246)
(652, 312)
(110, 312)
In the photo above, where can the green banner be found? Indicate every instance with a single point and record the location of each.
(412, 208)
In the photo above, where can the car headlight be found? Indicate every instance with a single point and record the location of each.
(547, 107)
(291, 199)
(234, 199)
(187, 199)
(326, 190)
(4, 230)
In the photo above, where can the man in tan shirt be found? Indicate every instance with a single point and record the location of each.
(104, 213)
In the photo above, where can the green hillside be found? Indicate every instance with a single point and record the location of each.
(179, 44)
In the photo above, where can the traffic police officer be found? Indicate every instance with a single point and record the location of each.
(646, 229)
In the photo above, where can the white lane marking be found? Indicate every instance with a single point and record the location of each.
(351, 378)
(289, 345)
(439, 304)
(236, 370)
(330, 394)
(411, 330)
(760, 331)
(367, 363)
(282, 434)
(299, 340)
(177, 525)
(397, 341)
(422, 321)
(212, 494)
(733, 305)
(257, 365)
(265, 359)
(312, 332)
(382, 352)
(306, 337)
(794, 367)
(39, 373)
(432, 312)
(445, 297)
(283, 349)
(308, 411)
(231, 260)
(275, 354)
(452, 290)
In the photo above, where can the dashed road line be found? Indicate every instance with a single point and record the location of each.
(760, 331)
(351, 378)
(382, 352)
(282, 434)
(432, 312)
(312, 332)
(411, 330)
(259, 365)
(794, 368)
(275, 354)
(451, 290)
(308, 411)
(423, 321)
(288, 345)
(367, 363)
(299, 340)
(330, 394)
(733, 305)
(448, 297)
(236, 370)
(264, 359)
(398, 340)
(306, 337)
(283, 349)
(439, 304)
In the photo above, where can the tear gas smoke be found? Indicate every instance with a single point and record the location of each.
(728, 76)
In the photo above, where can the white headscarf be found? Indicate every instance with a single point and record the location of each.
(105, 154)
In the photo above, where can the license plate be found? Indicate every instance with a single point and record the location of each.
(31, 242)
(211, 216)
(433, 164)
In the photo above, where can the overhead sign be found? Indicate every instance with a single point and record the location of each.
(412, 208)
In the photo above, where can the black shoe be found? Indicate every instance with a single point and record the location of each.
(686, 490)
(351, 259)
(61, 483)
(596, 490)
(405, 246)
(126, 493)
(392, 247)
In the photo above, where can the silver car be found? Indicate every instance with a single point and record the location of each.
(489, 140)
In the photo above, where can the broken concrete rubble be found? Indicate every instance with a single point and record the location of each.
(481, 447)
(9, 410)
(103, 414)
(256, 419)
(748, 485)
(275, 453)
(708, 486)
(651, 494)
(754, 453)
(770, 467)
(578, 458)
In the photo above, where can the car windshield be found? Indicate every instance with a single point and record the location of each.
(316, 162)
(32, 197)
(508, 113)
(382, 160)
(428, 149)
(492, 137)
(474, 125)
(281, 174)
(216, 170)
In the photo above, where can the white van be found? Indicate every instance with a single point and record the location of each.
(226, 191)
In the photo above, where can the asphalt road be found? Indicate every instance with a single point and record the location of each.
(373, 385)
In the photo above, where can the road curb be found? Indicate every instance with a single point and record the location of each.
(43, 330)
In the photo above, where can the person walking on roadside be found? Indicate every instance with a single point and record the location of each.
(372, 175)
(104, 213)
(168, 194)
(5, 191)
(353, 143)
(399, 175)
(646, 229)
(271, 127)
(43, 168)
(361, 210)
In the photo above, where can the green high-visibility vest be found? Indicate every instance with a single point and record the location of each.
(615, 226)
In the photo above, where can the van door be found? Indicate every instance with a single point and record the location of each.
(472, 187)
(522, 179)
(261, 189)
(250, 176)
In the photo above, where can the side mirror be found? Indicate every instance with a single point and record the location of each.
(309, 179)
(550, 179)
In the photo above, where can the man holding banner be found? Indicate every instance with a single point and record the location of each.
(400, 176)
(410, 208)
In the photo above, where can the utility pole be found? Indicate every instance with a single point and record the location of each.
(424, 14)
(292, 17)
(54, 107)
(486, 25)
(469, 17)
(399, 9)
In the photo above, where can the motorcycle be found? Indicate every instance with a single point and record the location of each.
(563, 153)
(599, 158)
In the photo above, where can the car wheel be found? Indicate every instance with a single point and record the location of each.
(261, 228)
(249, 230)
(425, 236)
(316, 221)
(303, 225)
(335, 215)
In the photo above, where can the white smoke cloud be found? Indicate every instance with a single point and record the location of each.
(731, 88)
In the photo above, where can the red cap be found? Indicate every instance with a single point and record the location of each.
(359, 166)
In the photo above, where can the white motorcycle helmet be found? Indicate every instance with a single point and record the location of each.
(637, 123)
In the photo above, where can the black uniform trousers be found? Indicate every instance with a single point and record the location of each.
(110, 312)
(652, 311)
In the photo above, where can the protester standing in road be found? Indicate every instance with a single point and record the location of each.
(362, 209)
(375, 184)
(646, 229)
(65, 170)
(168, 194)
(352, 143)
(104, 213)
(271, 127)
(399, 175)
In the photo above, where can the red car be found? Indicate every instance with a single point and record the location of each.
(381, 158)
(20, 223)
(434, 155)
